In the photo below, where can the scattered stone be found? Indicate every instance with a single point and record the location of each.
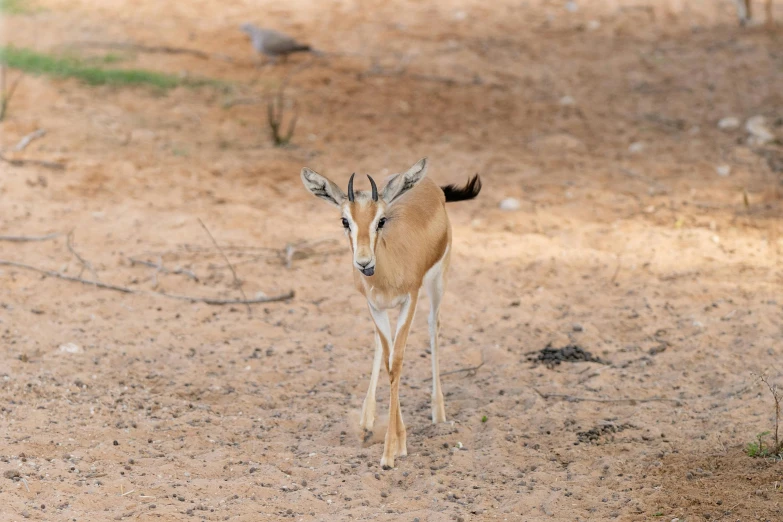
(636, 147)
(567, 101)
(510, 204)
(593, 25)
(552, 357)
(70, 348)
(759, 132)
(578, 327)
(729, 123)
(723, 170)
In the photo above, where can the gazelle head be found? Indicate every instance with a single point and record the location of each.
(364, 214)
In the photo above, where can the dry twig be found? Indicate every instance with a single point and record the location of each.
(125, 290)
(617, 270)
(275, 112)
(29, 239)
(470, 371)
(237, 282)
(573, 398)
(160, 268)
(6, 94)
(85, 264)
(778, 398)
(24, 142)
(22, 162)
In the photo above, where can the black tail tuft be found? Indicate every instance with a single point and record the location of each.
(469, 191)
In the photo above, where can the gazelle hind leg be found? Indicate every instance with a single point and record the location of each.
(434, 283)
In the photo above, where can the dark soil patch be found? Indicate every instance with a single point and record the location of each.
(592, 435)
(571, 353)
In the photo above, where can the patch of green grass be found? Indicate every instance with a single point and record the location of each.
(13, 7)
(757, 448)
(484, 418)
(111, 58)
(69, 67)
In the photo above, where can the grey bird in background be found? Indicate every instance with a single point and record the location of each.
(272, 43)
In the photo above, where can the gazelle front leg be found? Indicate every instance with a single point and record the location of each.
(396, 436)
(382, 343)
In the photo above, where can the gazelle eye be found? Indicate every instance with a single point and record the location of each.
(381, 222)
(346, 225)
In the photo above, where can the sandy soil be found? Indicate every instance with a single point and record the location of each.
(627, 243)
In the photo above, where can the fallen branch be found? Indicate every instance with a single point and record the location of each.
(52, 273)
(470, 371)
(125, 290)
(40, 163)
(24, 142)
(237, 282)
(160, 268)
(28, 239)
(573, 398)
(85, 264)
(215, 301)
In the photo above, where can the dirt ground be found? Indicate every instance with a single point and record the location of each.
(602, 122)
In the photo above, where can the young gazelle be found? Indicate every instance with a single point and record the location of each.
(401, 241)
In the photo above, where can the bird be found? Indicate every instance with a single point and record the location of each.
(272, 43)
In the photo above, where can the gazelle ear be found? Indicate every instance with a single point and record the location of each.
(322, 187)
(402, 183)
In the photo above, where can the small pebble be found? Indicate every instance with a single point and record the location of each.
(729, 123)
(760, 133)
(567, 101)
(578, 327)
(636, 147)
(723, 170)
(510, 204)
